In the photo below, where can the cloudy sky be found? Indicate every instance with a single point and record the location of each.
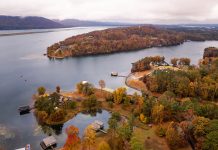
(140, 11)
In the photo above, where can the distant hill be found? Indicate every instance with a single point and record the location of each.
(16, 22)
(85, 23)
(32, 22)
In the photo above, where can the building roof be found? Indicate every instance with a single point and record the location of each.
(99, 122)
(49, 141)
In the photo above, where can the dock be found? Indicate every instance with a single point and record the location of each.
(24, 109)
(98, 126)
(115, 74)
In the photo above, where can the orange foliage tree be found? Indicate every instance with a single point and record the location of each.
(73, 139)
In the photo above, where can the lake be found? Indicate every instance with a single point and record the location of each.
(24, 68)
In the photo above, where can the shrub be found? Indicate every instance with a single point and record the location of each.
(90, 103)
(41, 116)
(116, 115)
(71, 104)
(136, 144)
(110, 104)
(109, 98)
(160, 131)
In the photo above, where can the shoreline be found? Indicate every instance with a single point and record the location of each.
(133, 81)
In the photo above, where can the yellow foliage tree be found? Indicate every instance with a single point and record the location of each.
(119, 95)
(158, 113)
(103, 146)
(89, 137)
(142, 118)
(140, 102)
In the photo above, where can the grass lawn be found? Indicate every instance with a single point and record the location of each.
(150, 139)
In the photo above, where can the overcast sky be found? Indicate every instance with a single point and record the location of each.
(140, 11)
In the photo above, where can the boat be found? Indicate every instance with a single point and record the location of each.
(114, 74)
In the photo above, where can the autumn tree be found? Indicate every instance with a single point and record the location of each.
(89, 137)
(174, 137)
(211, 139)
(85, 88)
(58, 89)
(41, 90)
(125, 131)
(73, 139)
(199, 126)
(119, 95)
(103, 146)
(90, 103)
(184, 61)
(158, 113)
(57, 115)
(174, 61)
(41, 116)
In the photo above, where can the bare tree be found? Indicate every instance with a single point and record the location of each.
(102, 84)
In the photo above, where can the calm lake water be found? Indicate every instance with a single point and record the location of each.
(24, 68)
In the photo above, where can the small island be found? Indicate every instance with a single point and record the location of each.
(176, 110)
(126, 39)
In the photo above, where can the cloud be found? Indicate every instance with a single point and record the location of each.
(146, 11)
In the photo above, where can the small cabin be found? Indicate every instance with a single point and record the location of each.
(24, 109)
(48, 142)
(114, 74)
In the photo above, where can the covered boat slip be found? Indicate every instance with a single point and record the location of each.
(98, 126)
(48, 143)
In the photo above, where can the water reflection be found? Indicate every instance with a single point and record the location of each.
(81, 121)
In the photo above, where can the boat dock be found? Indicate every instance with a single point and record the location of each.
(24, 109)
(98, 126)
(115, 74)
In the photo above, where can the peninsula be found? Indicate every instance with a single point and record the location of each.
(127, 39)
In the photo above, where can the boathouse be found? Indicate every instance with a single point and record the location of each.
(48, 142)
(98, 126)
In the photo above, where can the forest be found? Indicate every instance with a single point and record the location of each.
(125, 39)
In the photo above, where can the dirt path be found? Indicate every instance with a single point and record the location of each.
(133, 80)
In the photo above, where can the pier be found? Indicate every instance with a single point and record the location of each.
(115, 74)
